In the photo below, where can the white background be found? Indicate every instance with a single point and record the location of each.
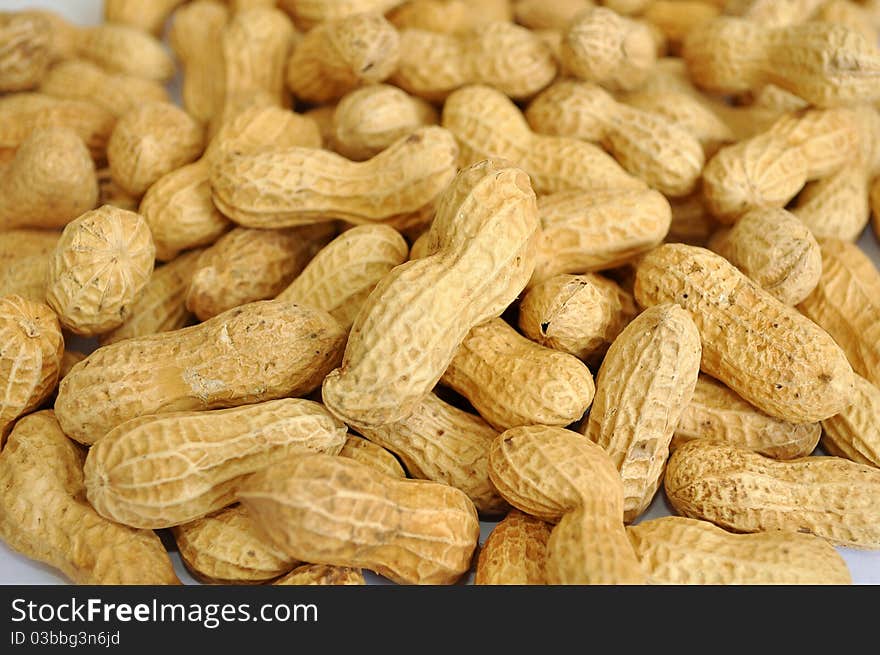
(16, 569)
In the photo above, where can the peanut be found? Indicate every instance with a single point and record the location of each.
(677, 18)
(487, 124)
(515, 552)
(718, 414)
(322, 574)
(334, 510)
(742, 491)
(776, 13)
(309, 13)
(70, 359)
(344, 272)
(25, 50)
(548, 14)
(30, 360)
(371, 454)
(100, 266)
(167, 469)
(123, 49)
(875, 208)
(855, 432)
(24, 262)
(450, 16)
(676, 550)
(481, 245)
(258, 352)
(147, 15)
(846, 303)
(501, 55)
(63, 36)
(767, 352)
(44, 514)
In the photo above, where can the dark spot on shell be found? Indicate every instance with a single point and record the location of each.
(544, 327)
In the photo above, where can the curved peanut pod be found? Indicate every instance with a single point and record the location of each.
(718, 414)
(767, 352)
(543, 15)
(371, 454)
(846, 303)
(344, 272)
(482, 241)
(309, 13)
(501, 55)
(486, 124)
(147, 15)
(677, 550)
(167, 469)
(322, 574)
(333, 510)
(25, 52)
(651, 147)
(257, 352)
(44, 514)
(442, 443)
(24, 262)
(837, 206)
(742, 491)
(598, 230)
(30, 358)
(125, 49)
(297, 186)
(512, 381)
(855, 432)
(226, 548)
(450, 15)
(515, 552)
(774, 249)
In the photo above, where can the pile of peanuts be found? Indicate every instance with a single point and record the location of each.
(350, 296)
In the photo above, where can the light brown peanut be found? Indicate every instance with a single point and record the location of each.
(561, 477)
(481, 244)
(258, 352)
(24, 262)
(486, 124)
(70, 359)
(371, 454)
(30, 360)
(500, 55)
(63, 36)
(101, 264)
(767, 352)
(855, 432)
(147, 15)
(50, 181)
(875, 208)
(308, 13)
(166, 469)
(515, 552)
(322, 574)
(334, 510)
(450, 15)
(677, 18)
(123, 49)
(44, 514)
(677, 550)
(25, 50)
(548, 14)
(718, 414)
(742, 491)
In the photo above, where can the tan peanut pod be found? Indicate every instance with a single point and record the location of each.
(101, 264)
(846, 303)
(44, 514)
(196, 29)
(340, 55)
(837, 206)
(30, 360)
(70, 359)
(559, 476)
(244, 5)
(849, 14)
(24, 262)
(161, 306)
(649, 146)
(124, 49)
(77, 79)
(855, 432)
(512, 381)
(150, 141)
(675, 550)
(691, 223)
(645, 382)
(548, 14)
(322, 574)
(875, 207)
(603, 47)
(343, 273)
(677, 18)
(515, 552)
(334, 510)
(371, 454)
(767, 352)
(63, 35)
(628, 7)
(487, 124)
(774, 13)
(22, 113)
(308, 13)
(827, 65)
(109, 193)
(577, 314)
(247, 265)
(298, 186)
(226, 548)
(370, 119)
(50, 181)
(167, 469)
(774, 249)
(500, 55)
(146, 15)
(442, 443)
(718, 414)
(593, 231)
(450, 16)
(741, 491)
(482, 240)
(25, 50)
(250, 354)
